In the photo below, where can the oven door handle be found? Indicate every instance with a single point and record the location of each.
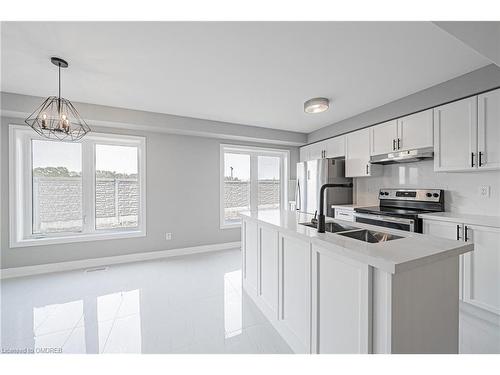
(410, 222)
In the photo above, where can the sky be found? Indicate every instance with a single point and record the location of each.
(268, 166)
(121, 159)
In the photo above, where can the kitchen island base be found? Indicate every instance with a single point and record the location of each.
(321, 299)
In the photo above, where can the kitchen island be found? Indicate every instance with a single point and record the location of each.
(337, 293)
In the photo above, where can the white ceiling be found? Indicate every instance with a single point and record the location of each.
(249, 73)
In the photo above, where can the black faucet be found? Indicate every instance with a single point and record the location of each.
(321, 216)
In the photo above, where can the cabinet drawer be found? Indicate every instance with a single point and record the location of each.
(343, 214)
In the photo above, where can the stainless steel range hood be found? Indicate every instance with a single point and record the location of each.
(403, 156)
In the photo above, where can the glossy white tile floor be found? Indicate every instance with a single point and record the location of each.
(192, 304)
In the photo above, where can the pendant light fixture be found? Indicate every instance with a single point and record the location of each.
(56, 118)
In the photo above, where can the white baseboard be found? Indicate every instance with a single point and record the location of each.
(9, 273)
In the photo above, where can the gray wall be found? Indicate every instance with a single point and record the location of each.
(468, 84)
(182, 198)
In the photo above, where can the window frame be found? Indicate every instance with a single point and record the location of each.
(254, 152)
(21, 197)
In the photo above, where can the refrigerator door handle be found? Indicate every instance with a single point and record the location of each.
(298, 200)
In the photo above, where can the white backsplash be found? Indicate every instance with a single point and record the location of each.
(461, 189)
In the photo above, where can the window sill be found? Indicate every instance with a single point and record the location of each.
(77, 238)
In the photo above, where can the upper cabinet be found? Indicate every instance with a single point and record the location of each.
(455, 136)
(488, 130)
(357, 155)
(335, 147)
(415, 131)
(330, 148)
(467, 134)
(407, 133)
(384, 138)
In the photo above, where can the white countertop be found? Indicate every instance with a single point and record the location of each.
(489, 221)
(392, 256)
(349, 206)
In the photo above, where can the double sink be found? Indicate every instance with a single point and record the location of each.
(365, 235)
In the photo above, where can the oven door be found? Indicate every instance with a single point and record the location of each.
(386, 221)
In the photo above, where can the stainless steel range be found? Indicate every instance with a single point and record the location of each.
(399, 208)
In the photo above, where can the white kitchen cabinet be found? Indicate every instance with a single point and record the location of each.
(406, 133)
(451, 231)
(384, 137)
(341, 323)
(455, 136)
(313, 151)
(250, 250)
(304, 153)
(335, 147)
(317, 150)
(479, 284)
(346, 214)
(295, 293)
(488, 130)
(415, 131)
(268, 275)
(482, 268)
(357, 155)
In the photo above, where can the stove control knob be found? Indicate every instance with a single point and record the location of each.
(435, 195)
(386, 193)
(429, 195)
(381, 193)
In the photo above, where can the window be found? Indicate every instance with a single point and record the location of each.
(75, 191)
(251, 178)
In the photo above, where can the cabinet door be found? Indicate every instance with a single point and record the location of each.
(250, 256)
(416, 131)
(304, 153)
(316, 151)
(344, 214)
(455, 136)
(451, 231)
(341, 297)
(489, 130)
(383, 137)
(335, 147)
(482, 268)
(295, 293)
(268, 281)
(357, 153)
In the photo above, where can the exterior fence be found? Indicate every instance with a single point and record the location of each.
(237, 196)
(57, 203)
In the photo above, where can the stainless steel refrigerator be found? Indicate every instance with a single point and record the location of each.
(311, 175)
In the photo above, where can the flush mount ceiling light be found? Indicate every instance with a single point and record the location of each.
(316, 105)
(56, 117)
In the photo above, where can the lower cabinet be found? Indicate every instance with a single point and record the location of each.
(268, 276)
(250, 249)
(479, 283)
(481, 268)
(322, 301)
(294, 292)
(341, 322)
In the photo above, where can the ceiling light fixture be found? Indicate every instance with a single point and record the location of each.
(56, 117)
(316, 105)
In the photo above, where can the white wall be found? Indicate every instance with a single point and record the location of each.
(462, 189)
(182, 198)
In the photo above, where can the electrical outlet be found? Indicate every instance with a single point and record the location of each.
(484, 191)
(168, 236)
